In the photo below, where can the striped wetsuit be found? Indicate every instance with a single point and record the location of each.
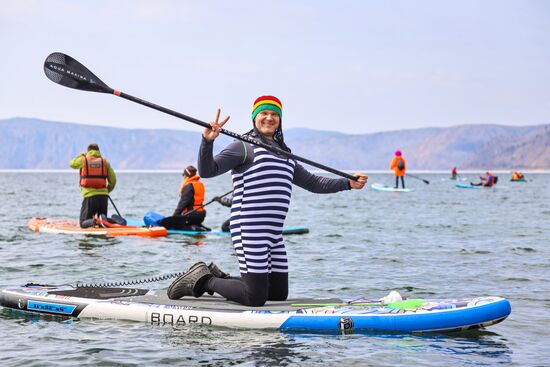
(262, 183)
(261, 197)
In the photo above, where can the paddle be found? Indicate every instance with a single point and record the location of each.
(64, 70)
(208, 203)
(121, 220)
(418, 178)
(117, 219)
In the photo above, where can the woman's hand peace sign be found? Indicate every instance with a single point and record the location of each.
(214, 131)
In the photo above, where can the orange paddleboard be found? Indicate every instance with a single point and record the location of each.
(49, 225)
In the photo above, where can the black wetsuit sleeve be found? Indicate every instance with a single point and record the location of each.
(232, 156)
(318, 184)
(186, 201)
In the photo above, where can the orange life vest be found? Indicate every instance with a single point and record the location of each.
(517, 176)
(93, 173)
(198, 188)
(489, 179)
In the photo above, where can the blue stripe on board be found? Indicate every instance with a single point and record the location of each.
(404, 322)
(50, 307)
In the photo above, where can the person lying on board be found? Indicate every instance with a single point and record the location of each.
(262, 182)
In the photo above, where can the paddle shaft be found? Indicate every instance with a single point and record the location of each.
(208, 203)
(234, 135)
(418, 178)
(114, 206)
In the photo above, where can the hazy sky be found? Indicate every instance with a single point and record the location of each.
(350, 66)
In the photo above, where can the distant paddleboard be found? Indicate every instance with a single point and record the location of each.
(466, 186)
(286, 231)
(382, 187)
(194, 232)
(49, 225)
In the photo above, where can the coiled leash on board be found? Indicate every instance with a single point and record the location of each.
(130, 282)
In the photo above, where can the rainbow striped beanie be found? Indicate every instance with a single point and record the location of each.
(267, 103)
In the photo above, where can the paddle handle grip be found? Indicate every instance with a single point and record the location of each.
(234, 135)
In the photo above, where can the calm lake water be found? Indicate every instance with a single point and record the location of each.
(436, 242)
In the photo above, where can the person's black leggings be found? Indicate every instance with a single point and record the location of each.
(183, 221)
(96, 204)
(251, 289)
(397, 181)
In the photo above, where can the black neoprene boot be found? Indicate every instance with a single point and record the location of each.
(216, 272)
(192, 283)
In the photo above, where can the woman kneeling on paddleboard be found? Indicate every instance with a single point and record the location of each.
(262, 185)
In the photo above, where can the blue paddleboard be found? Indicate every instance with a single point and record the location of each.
(382, 187)
(286, 230)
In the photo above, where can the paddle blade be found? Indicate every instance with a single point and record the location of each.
(63, 69)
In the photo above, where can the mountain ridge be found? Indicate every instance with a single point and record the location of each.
(28, 143)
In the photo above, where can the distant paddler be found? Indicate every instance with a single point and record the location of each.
(190, 212)
(192, 193)
(488, 181)
(97, 180)
(399, 167)
(454, 174)
(517, 176)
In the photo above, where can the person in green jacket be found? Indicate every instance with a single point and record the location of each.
(97, 180)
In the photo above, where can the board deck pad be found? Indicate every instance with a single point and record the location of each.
(100, 292)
